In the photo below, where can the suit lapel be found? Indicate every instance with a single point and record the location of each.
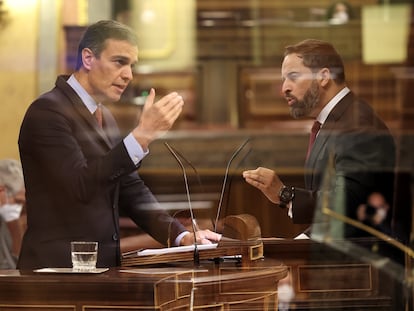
(328, 129)
(81, 109)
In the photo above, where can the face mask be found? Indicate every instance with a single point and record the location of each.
(10, 212)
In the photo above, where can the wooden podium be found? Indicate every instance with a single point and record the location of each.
(320, 276)
(241, 238)
(234, 276)
(226, 286)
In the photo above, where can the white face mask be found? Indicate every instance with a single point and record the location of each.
(10, 212)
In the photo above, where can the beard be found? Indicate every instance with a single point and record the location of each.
(304, 107)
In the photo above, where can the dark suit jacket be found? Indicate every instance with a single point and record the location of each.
(353, 156)
(78, 178)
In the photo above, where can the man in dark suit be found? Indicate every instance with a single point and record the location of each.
(353, 157)
(79, 175)
(353, 142)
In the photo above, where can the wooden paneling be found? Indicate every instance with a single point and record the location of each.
(326, 276)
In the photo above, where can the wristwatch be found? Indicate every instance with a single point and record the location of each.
(286, 195)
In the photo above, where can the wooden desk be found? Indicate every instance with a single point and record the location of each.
(327, 278)
(174, 287)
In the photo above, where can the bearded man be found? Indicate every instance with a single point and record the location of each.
(351, 142)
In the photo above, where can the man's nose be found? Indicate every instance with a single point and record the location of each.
(127, 74)
(285, 87)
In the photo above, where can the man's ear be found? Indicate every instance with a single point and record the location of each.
(325, 76)
(87, 58)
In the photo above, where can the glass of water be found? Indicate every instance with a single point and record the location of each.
(84, 255)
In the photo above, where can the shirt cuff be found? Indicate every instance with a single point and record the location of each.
(179, 237)
(289, 207)
(134, 149)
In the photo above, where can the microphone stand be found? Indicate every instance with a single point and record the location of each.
(176, 155)
(196, 255)
(225, 180)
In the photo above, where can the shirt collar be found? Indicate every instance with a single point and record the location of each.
(84, 96)
(323, 115)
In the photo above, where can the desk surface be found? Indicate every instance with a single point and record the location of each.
(151, 288)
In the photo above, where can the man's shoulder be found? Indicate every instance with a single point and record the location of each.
(358, 112)
(55, 95)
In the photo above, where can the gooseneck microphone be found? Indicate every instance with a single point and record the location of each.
(193, 221)
(225, 181)
(177, 156)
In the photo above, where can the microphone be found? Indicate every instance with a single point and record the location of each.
(196, 256)
(188, 162)
(225, 181)
(177, 156)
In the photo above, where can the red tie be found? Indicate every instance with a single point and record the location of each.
(98, 115)
(315, 129)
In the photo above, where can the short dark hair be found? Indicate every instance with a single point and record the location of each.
(95, 37)
(318, 54)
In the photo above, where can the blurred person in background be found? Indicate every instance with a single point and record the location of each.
(12, 199)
